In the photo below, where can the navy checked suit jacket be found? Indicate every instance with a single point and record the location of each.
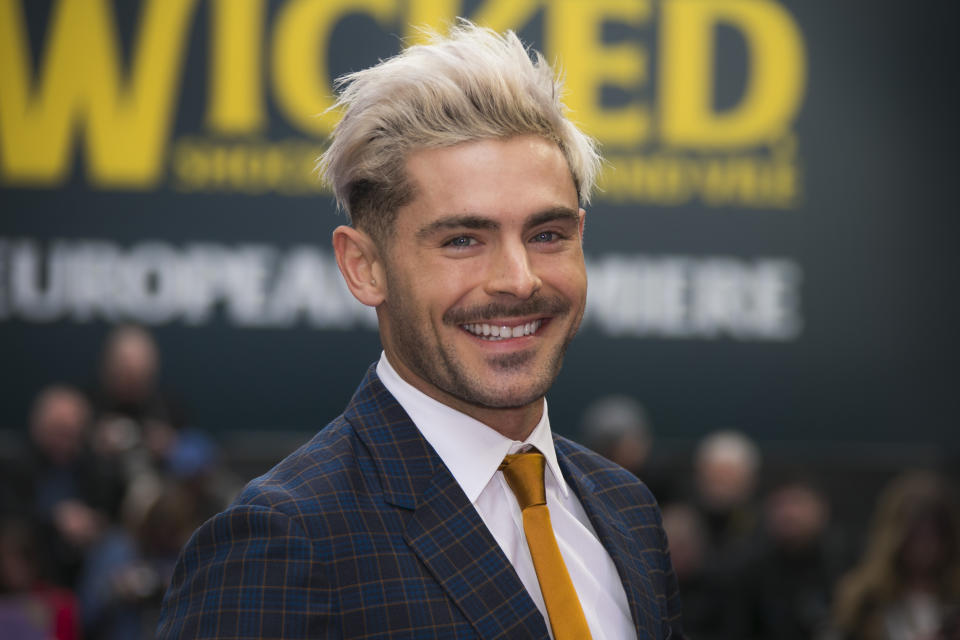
(364, 533)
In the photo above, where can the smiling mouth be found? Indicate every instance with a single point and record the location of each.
(495, 332)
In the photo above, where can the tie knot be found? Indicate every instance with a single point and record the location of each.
(524, 473)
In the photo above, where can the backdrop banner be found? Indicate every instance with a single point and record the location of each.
(771, 248)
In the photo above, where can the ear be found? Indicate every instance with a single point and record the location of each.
(583, 218)
(359, 262)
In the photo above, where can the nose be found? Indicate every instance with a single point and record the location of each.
(511, 273)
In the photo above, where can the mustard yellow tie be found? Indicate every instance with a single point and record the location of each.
(524, 474)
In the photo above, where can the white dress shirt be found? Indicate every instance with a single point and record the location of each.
(472, 452)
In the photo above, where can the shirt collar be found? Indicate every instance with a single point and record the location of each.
(471, 450)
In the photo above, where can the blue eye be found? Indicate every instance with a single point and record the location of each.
(545, 236)
(461, 242)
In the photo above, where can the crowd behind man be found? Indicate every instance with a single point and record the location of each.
(92, 517)
(114, 481)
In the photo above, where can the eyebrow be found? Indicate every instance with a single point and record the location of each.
(553, 214)
(474, 221)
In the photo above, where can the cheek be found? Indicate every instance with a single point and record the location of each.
(571, 281)
(453, 283)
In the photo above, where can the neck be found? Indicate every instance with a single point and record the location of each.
(516, 424)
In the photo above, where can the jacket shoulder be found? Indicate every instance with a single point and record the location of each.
(314, 479)
(608, 477)
(268, 557)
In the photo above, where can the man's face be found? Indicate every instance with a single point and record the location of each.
(486, 283)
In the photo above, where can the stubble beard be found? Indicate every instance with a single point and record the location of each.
(438, 363)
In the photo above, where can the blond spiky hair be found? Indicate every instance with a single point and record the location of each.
(470, 85)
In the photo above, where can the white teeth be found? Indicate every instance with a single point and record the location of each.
(498, 332)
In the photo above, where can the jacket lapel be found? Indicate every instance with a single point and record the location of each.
(444, 530)
(450, 538)
(623, 548)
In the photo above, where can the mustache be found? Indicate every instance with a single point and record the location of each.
(540, 306)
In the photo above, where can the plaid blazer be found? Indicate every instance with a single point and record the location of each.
(364, 533)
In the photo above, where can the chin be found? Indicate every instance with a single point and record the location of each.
(514, 396)
(511, 402)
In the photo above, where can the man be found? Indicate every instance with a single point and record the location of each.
(463, 180)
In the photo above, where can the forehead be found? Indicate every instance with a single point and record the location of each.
(498, 178)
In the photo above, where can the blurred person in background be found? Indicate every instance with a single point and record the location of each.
(134, 420)
(789, 571)
(68, 494)
(618, 428)
(702, 587)
(167, 479)
(136, 425)
(907, 584)
(726, 465)
(127, 572)
(30, 607)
